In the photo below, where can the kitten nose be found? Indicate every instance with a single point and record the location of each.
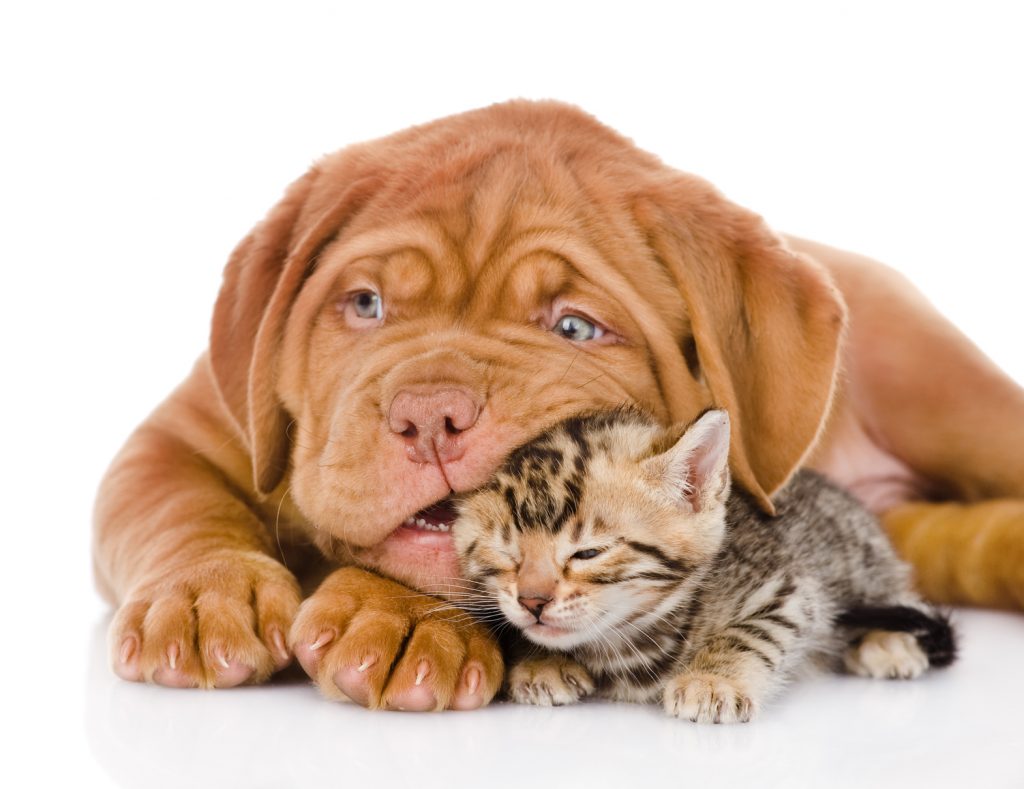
(535, 605)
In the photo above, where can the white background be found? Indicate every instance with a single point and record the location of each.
(141, 141)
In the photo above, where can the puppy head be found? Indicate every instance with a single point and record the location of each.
(418, 306)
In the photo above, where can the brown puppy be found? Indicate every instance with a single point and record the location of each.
(417, 306)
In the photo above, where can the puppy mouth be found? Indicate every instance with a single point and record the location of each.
(420, 551)
(437, 518)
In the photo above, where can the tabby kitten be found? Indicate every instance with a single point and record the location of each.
(616, 546)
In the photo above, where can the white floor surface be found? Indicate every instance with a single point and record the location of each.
(958, 727)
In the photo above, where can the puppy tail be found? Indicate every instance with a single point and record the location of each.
(932, 629)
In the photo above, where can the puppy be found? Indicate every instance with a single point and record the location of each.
(416, 306)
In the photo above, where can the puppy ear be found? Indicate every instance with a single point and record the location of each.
(765, 322)
(695, 470)
(261, 281)
(250, 279)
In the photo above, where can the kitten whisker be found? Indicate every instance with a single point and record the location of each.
(642, 632)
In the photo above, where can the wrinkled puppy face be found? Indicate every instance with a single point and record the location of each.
(416, 306)
(430, 342)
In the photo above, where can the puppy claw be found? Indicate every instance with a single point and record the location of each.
(277, 639)
(128, 648)
(472, 680)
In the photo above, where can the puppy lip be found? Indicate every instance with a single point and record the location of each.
(420, 550)
(420, 554)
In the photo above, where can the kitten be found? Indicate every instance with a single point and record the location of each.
(616, 546)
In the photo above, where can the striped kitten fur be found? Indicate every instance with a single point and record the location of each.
(615, 546)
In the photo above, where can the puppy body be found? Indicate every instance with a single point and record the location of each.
(416, 306)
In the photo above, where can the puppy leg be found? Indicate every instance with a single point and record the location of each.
(203, 602)
(924, 391)
(964, 553)
(930, 398)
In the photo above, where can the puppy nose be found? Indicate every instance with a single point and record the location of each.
(535, 605)
(432, 422)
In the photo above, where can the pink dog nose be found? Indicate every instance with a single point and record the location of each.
(432, 422)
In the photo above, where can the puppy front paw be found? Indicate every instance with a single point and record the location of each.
(215, 623)
(550, 681)
(369, 640)
(707, 698)
(882, 654)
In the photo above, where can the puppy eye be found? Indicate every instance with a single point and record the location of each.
(577, 329)
(368, 305)
(588, 553)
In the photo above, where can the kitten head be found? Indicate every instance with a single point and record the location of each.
(596, 524)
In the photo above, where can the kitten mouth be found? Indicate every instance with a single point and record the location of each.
(551, 636)
(438, 517)
(546, 629)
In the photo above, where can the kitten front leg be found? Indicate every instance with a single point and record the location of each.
(727, 681)
(549, 681)
(708, 698)
(743, 660)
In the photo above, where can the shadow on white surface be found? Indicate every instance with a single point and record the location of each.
(951, 728)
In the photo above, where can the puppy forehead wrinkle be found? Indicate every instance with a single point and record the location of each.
(492, 206)
(409, 259)
(414, 233)
(528, 202)
(532, 280)
(409, 275)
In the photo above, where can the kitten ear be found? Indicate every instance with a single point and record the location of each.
(695, 470)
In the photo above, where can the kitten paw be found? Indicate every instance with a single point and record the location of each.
(549, 682)
(882, 654)
(707, 698)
